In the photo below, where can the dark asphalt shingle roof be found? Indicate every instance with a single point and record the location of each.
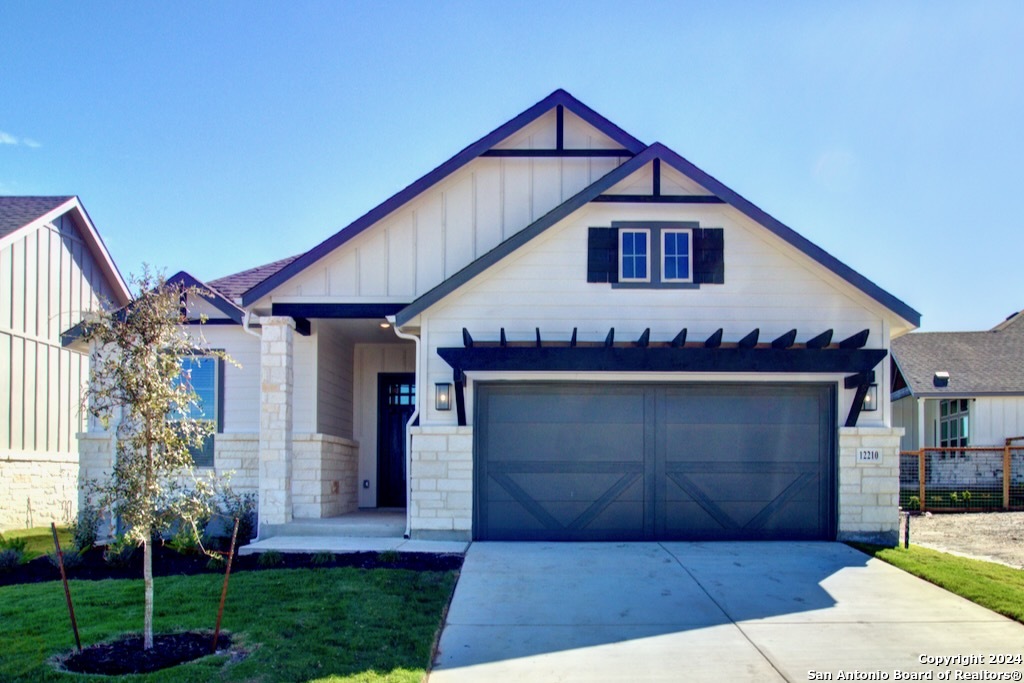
(978, 363)
(231, 287)
(17, 212)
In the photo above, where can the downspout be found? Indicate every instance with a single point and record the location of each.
(408, 426)
(245, 325)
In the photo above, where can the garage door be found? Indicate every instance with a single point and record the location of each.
(591, 461)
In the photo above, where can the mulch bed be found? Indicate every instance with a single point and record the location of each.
(167, 562)
(126, 656)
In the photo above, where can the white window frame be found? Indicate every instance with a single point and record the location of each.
(689, 250)
(650, 250)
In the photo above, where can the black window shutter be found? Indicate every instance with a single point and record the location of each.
(603, 255)
(709, 256)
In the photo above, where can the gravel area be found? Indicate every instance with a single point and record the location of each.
(992, 536)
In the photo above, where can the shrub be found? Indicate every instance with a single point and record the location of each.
(243, 506)
(387, 556)
(18, 544)
(321, 558)
(216, 563)
(9, 559)
(914, 503)
(85, 529)
(120, 552)
(271, 558)
(954, 499)
(72, 558)
(184, 541)
(966, 498)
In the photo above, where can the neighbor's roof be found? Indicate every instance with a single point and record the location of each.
(17, 212)
(978, 363)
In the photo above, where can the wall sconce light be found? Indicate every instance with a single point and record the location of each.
(443, 396)
(871, 398)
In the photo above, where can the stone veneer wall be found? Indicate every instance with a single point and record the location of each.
(276, 439)
(869, 493)
(36, 489)
(441, 504)
(324, 476)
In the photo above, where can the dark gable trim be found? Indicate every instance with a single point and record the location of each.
(219, 302)
(523, 236)
(788, 234)
(336, 310)
(555, 99)
(659, 151)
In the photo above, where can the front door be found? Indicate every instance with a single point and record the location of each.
(396, 401)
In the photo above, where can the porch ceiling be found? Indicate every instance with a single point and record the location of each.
(360, 330)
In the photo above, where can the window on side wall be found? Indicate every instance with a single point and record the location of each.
(954, 423)
(634, 255)
(202, 373)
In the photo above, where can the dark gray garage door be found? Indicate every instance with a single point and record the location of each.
(591, 461)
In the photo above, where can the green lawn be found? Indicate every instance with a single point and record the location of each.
(293, 625)
(40, 539)
(995, 586)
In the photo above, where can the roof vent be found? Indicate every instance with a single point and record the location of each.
(941, 378)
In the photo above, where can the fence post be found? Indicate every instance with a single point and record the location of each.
(920, 477)
(1006, 475)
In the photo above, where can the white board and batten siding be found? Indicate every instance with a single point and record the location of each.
(48, 279)
(450, 225)
(992, 420)
(768, 285)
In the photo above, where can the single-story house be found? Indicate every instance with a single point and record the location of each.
(955, 389)
(560, 333)
(53, 266)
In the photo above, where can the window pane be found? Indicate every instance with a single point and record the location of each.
(963, 405)
(670, 268)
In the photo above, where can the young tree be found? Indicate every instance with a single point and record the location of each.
(138, 386)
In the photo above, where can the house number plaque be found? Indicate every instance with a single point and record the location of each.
(869, 455)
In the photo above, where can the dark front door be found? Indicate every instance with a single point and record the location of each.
(396, 401)
(594, 461)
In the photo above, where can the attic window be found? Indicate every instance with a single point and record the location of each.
(656, 255)
(634, 256)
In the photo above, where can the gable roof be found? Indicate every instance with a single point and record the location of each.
(471, 152)
(978, 363)
(28, 212)
(216, 298)
(17, 212)
(718, 189)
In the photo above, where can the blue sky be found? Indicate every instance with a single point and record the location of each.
(216, 136)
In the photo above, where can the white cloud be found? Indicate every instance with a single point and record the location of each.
(8, 139)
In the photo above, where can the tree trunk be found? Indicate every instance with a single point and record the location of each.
(147, 578)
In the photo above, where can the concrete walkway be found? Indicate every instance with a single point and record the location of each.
(703, 612)
(351, 544)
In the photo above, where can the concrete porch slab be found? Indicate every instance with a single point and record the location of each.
(355, 544)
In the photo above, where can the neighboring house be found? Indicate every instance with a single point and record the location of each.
(592, 338)
(954, 389)
(53, 268)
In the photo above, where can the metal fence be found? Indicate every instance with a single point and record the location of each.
(963, 479)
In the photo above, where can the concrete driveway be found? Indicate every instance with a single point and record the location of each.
(705, 612)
